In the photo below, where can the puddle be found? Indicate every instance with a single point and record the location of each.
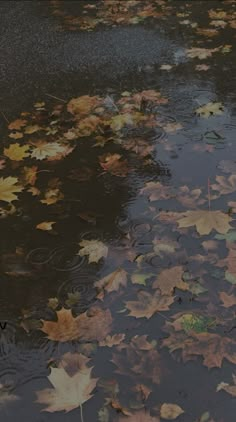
(118, 180)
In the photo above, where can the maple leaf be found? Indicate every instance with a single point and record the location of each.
(114, 165)
(121, 120)
(225, 185)
(83, 105)
(45, 225)
(52, 196)
(206, 221)
(112, 282)
(230, 262)
(189, 198)
(17, 124)
(111, 341)
(139, 146)
(227, 166)
(8, 188)
(44, 150)
(94, 324)
(69, 390)
(29, 175)
(140, 416)
(139, 358)
(16, 152)
(229, 388)
(210, 109)
(32, 129)
(201, 53)
(155, 190)
(149, 95)
(212, 347)
(148, 304)
(87, 126)
(95, 249)
(169, 279)
(170, 411)
(228, 300)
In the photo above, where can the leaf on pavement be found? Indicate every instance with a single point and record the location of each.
(206, 221)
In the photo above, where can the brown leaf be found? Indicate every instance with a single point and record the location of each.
(169, 279)
(112, 282)
(94, 324)
(228, 300)
(205, 221)
(148, 304)
(170, 411)
(224, 185)
(114, 165)
(140, 416)
(155, 191)
(17, 124)
(111, 341)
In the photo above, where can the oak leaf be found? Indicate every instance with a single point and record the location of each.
(170, 279)
(148, 304)
(70, 390)
(206, 221)
(94, 249)
(170, 411)
(16, 152)
(8, 188)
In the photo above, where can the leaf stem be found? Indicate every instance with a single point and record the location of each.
(56, 98)
(81, 413)
(209, 194)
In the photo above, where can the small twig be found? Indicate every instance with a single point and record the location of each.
(164, 316)
(56, 98)
(209, 194)
(5, 118)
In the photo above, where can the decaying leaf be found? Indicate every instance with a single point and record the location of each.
(148, 304)
(71, 388)
(111, 341)
(224, 185)
(155, 191)
(200, 53)
(206, 221)
(94, 249)
(170, 411)
(114, 165)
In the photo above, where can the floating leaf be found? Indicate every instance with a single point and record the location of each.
(8, 188)
(148, 304)
(95, 249)
(170, 411)
(206, 221)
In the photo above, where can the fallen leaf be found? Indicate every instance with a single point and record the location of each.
(228, 300)
(45, 225)
(8, 188)
(148, 304)
(200, 53)
(94, 324)
(111, 341)
(114, 165)
(83, 105)
(170, 279)
(206, 221)
(95, 249)
(227, 166)
(44, 150)
(224, 185)
(229, 388)
(69, 391)
(202, 67)
(16, 152)
(210, 109)
(170, 411)
(140, 416)
(189, 198)
(112, 282)
(155, 191)
(17, 124)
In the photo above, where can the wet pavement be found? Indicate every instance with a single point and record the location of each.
(117, 205)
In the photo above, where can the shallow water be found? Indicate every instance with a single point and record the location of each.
(50, 58)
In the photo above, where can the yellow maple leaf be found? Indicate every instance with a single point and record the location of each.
(205, 221)
(44, 150)
(8, 188)
(210, 109)
(16, 152)
(69, 390)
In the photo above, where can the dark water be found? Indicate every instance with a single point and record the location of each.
(46, 58)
